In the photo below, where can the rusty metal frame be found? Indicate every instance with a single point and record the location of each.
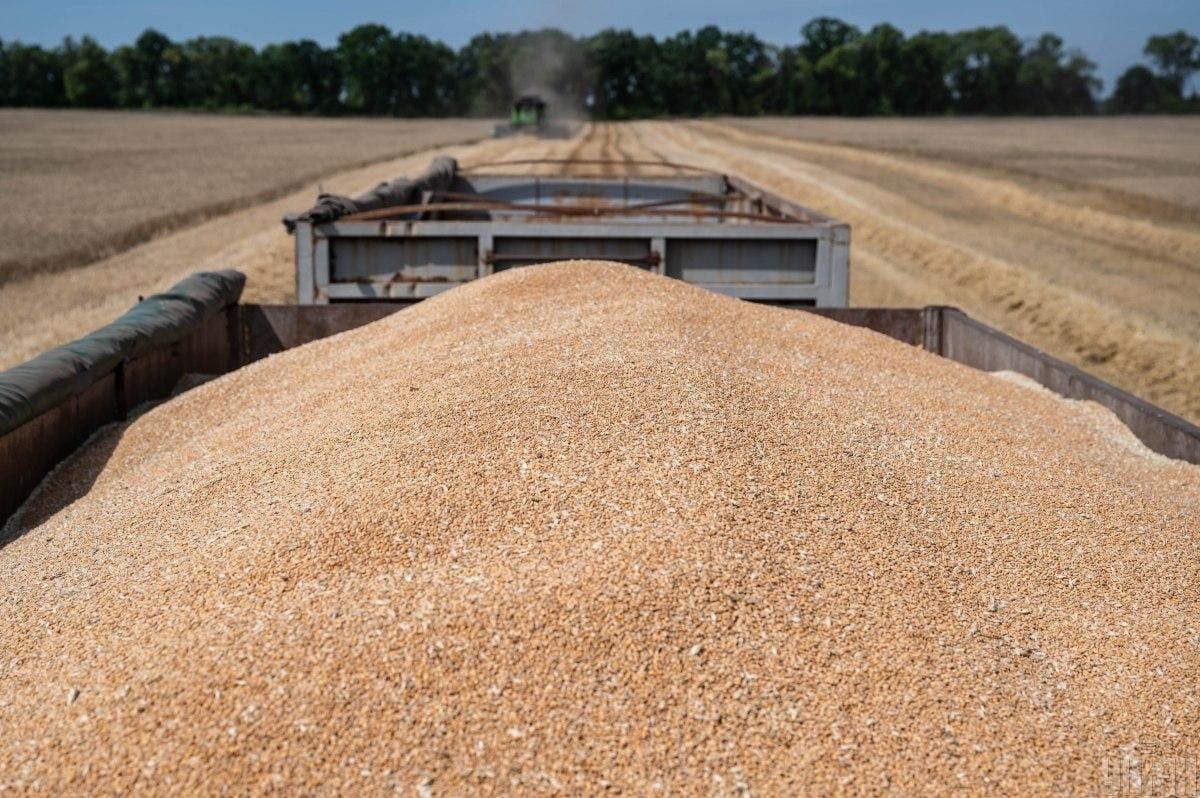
(824, 289)
(398, 212)
(635, 208)
(607, 163)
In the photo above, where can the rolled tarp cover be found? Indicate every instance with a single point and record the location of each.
(46, 381)
(401, 191)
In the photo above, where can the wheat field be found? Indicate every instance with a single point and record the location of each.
(1147, 164)
(82, 185)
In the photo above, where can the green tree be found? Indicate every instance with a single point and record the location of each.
(366, 57)
(791, 85)
(89, 79)
(920, 75)
(1177, 56)
(749, 67)
(823, 35)
(625, 84)
(31, 76)
(298, 77)
(983, 71)
(1140, 91)
(698, 75)
(831, 46)
(398, 75)
(220, 72)
(684, 74)
(151, 73)
(880, 68)
(481, 75)
(839, 85)
(834, 68)
(1052, 81)
(422, 82)
(716, 63)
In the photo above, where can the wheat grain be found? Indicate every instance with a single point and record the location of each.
(579, 527)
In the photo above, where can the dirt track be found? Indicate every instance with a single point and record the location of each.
(1113, 292)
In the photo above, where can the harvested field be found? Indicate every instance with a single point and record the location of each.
(49, 309)
(1143, 164)
(579, 527)
(83, 185)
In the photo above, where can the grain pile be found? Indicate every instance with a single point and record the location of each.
(575, 527)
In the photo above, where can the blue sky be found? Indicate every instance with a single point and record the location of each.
(1111, 32)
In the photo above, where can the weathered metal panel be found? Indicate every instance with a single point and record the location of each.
(206, 350)
(30, 451)
(321, 266)
(773, 293)
(306, 292)
(839, 268)
(486, 244)
(903, 324)
(268, 329)
(580, 227)
(824, 262)
(414, 258)
(510, 251)
(975, 344)
(385, 290)
(769, 201)
(768, 264)
(743, 236)
(658, 253)
(737, 257)
(622, 191)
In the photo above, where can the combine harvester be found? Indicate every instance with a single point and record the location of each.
(528, 116)
(360, 259)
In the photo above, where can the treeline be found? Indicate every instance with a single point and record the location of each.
(835, 68)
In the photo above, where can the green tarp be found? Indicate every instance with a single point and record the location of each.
(402, 191)
(38, 385)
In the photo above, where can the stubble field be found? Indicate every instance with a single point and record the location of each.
(81, 185)
(1135, 159)
(1081, 236)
